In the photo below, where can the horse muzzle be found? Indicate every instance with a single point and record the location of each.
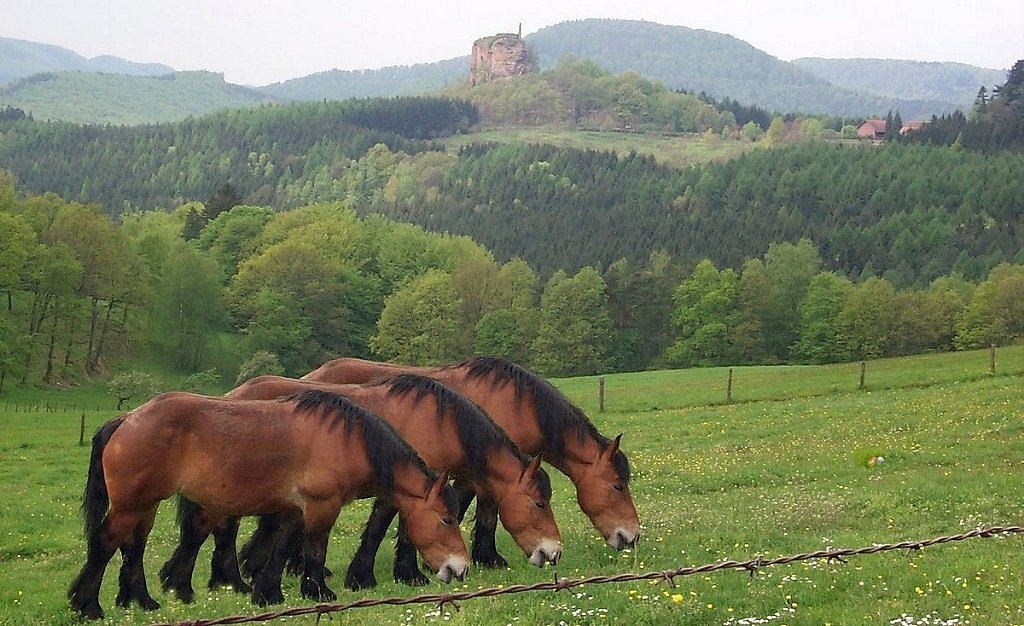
(453, 568)
(622, 539)
(548, 551)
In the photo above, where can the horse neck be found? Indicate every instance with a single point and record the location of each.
(577, 454)
(410, 483)
(504, 467)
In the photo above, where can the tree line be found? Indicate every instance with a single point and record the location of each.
(268, 153)
(288, 290)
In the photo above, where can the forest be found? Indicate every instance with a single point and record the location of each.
(290, 289)
(354, 232)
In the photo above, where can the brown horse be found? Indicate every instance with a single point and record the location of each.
(306, 456)
(540, 420)
(449, 432)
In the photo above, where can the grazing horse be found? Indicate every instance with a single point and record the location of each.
(540, 420)
(305, 456)
(449, 432)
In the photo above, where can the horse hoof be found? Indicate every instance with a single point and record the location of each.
(263, 599)
(413, 579)
(356, 580)
(312, 590)
(185, 595)
(148, 604)
(495, 561)
(88, 610)
(242, 587)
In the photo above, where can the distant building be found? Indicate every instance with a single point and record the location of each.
(911, 126)
(872, 129)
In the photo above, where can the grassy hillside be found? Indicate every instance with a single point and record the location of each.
(784, 470)
(88, 97)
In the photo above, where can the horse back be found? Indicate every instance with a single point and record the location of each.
(237, 456)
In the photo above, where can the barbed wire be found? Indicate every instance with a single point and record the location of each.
(668, 576)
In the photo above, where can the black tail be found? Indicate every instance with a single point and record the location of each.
(95, 499)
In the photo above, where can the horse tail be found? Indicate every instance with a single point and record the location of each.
(95, 500)
(188, 510)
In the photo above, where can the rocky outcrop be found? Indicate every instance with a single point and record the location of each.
(500, 56)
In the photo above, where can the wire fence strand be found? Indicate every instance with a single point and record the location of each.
(668, 576)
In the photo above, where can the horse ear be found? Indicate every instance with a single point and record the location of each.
(531, 469)
(609, 452)
(435, 489)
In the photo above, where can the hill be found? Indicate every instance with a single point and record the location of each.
(21, 59)
(680, 58)
(95, 98)
(719, 65)
(891, 78)
(388, 81)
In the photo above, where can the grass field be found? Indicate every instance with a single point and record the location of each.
(672, 150)
(782, 469)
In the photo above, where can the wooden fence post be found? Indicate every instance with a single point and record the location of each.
(863, 366)
(992, 359)
(81, 431)
(728, 388)
(600, 394)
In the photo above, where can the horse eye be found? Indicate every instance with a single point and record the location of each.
(447, 521)
(619, 486)
(540, 504)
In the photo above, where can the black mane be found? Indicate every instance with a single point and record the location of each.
(556, 415)
(385, 448)
(477, 431)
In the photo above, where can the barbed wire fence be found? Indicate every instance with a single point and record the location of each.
(752, 566)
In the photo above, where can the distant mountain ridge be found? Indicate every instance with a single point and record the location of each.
(894, 78)
(679, 57)
(123, 99)
(20, 59)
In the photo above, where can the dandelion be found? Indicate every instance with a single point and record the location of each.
(677, 598)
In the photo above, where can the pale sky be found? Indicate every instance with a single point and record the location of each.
(257, 42)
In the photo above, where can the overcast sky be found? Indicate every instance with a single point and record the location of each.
(257, 42)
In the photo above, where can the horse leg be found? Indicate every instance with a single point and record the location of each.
(176, 573)
(132, 580)
(266, 586)
(84, 592)
(360, 570)
(224, 561)
(318, 517)
(256, 552)
(465, 492)
(406, 570)
(314, 554)
(485, 549)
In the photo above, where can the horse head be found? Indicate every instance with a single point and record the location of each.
(433, 527)
(525, 512)
(602, 490)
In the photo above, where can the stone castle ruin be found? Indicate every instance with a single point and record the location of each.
(500, 56)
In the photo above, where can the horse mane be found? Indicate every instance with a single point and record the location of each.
(477, 431)
(556, 415)
(385, 448)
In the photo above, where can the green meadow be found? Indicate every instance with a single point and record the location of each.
(781, 466)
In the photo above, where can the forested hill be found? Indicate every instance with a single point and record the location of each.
(272, 155)
(952, 82)
(681, 58)
(910, 214)
(719, 65)
(92, 98)
(20, 59)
